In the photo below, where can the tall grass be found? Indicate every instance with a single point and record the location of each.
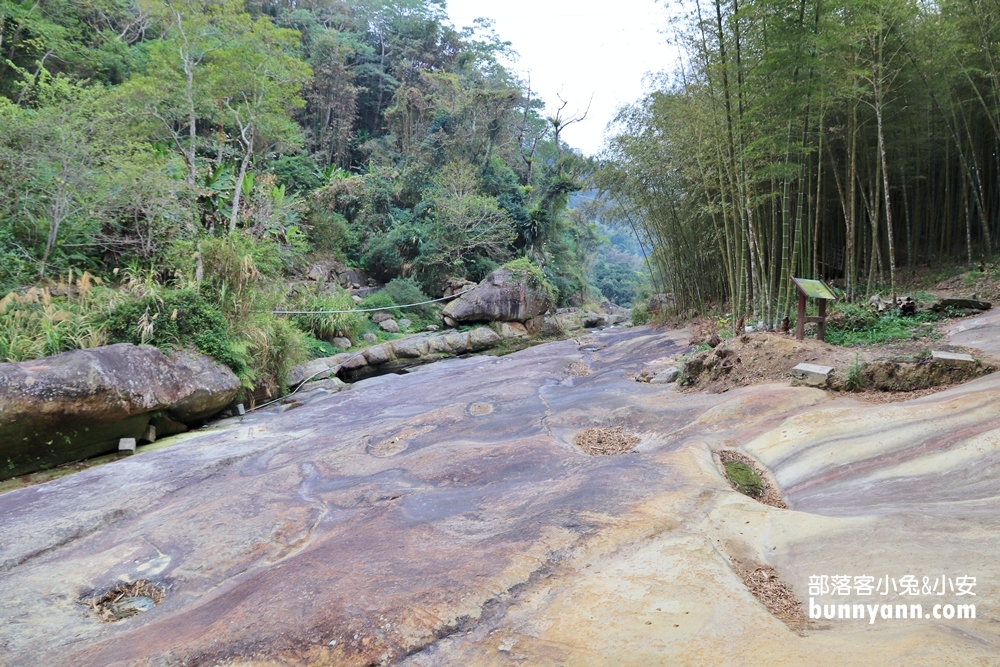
(36, 324)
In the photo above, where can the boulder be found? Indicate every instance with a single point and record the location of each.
(504, 296)
(356, 361)
(404, 323)
(369, 338)
(342, 343)
(448, 322)
(453, 286)
(212, 386)
(352, 277)
(165, 426)
(81, 403)
(410, 348)
(510, 330)
(389, 325)
(438, 344)
(456, 342)
(318, 272)
(483, 338)
(381, 316)
(378, 354)
(666, 376)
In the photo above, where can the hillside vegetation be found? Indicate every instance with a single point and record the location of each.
(187, 160)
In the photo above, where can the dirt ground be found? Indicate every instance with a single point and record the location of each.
(887, 372)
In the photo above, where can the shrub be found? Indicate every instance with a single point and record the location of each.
(381, 299)
(317, 349)
(381, 258)
(640, 314)
(406, 290)
(330, 232)
(174, 320)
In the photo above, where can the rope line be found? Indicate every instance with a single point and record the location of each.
(361, 310)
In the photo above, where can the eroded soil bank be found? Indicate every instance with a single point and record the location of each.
(448, 517)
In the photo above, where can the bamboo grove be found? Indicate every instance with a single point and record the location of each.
(849, 140)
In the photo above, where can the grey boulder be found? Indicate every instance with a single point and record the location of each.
(502, 297)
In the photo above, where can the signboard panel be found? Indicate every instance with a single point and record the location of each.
(814, 289)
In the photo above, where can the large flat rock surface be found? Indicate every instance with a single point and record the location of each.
(445, 517)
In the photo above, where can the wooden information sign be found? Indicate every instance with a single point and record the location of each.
(812, 289)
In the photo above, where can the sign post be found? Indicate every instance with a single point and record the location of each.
(812, 289)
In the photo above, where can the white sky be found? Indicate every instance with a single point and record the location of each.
(579, 48)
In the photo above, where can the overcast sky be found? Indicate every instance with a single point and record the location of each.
(579, 49)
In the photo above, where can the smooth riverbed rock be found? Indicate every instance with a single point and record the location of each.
(502, 297)
(367, 526)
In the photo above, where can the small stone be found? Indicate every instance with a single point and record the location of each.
(389, 325)
(356, 299)
(405, 323)
(666, 376)
(812, 375)
(150, 434)
(126, 445)
(370, 338)
(342, 343)
(431, 327)
(240, 410)
(952, 359)
(448, 322)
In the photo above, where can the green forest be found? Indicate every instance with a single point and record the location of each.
(170, 170)
(167, 168)
(855, 141)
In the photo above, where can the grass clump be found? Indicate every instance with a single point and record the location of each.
(36, 324)
(326, 326)
(745, 478)
(855, 376)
